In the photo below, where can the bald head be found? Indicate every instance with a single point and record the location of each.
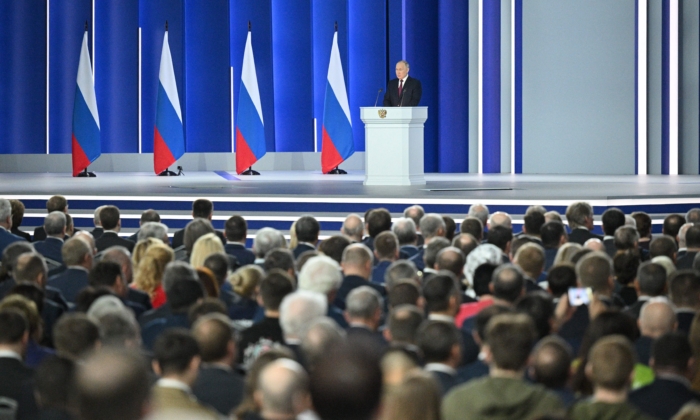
(657, 318)
(500, 218)
(594, 244)
(283, 388)
(353, 227)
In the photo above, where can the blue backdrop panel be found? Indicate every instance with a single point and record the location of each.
(368, 60)
(259, 13)
(208, 76)
(152, 17)
(293, 67)
(665, 85)
(396, 36)
(492, 86)
(325, 14)
(453, 126)
(67, 26)
(23, 76)
(117, 73)
(422, 53)
(518, 86)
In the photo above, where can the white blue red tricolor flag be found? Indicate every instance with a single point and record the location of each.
(250, 127)
(337, 129)
(86, 121)
(169, 136)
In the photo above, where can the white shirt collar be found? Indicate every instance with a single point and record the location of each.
(440, 367)
(9, 354)
(79, 267)
(174, 384)
(439, 317)
(606, 237)
(674, 377)
(308, 244)
(4, 228)
(404, 80)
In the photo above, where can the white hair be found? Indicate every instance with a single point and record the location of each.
(5, 209)
(320, 274)
(267, 239)
(153, 230)
(297, 311)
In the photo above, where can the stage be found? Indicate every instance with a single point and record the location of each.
(277, 198)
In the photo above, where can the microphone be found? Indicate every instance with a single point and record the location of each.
(377, 100)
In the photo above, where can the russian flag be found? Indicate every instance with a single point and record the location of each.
(169, 136)
(250, 128)
(337, 129)
(86, 145)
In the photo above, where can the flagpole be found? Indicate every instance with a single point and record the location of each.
(337, 170)
(167, 171)
(85, 173)
(250, 170)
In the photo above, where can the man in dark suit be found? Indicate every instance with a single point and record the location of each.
(364, 313)
(98, 230)
(684, 289)
(236, 230)
(17, 378)
(6, 238)
(432, 226)
(322, 274)
(580, 218)
(386, 251)
(670, 391)
(77, 256)
(357, 270)
(612, 218)
(147, 216)
(650, 283)
(656, 319)
(108, 274)
(201, 208)
(307, 230)
(404, 90)
(692, 243)
(405, 231)
(376, 221)
(217, 384)
(121, 256)
(55, 203)
(442, 353)
(55, 228)
(553, 236)
(111, 223)
(17, 217)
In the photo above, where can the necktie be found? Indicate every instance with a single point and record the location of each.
(400, 87)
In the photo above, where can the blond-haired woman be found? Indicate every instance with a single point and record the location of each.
(150, 269)
(203, 247)
(245, 283)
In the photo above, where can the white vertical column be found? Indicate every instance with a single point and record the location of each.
(233, 122)
(512, 86)
(480, 100)
(642, 80)
(673, 46)
(48, 57)
(140, 135)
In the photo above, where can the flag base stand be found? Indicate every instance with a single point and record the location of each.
(86, 174)
(249, 171)
(337, 171)
(168, 172)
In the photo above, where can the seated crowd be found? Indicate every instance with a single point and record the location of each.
(390, 319)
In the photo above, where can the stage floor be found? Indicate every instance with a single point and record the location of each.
(277, 198)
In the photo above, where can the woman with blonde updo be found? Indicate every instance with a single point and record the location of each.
(203, 247)
(150, 269)
(140, 250)
(245, 282)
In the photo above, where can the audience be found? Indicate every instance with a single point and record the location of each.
(296, 331)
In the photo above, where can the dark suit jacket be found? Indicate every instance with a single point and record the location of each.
(219, 388)
(407, 251)
(410, 95)
(610, 247)
(336, 314)
(351, 282)
(445, 380)
(418, 259)
(139, 297)
(300, 249)
(179, 238)
(643, 349)
(155, 321)
(663, 398)
(26, 236)
(50, 248)
(242, 254)
(379, 270)
(685, 319)
(549, 255)
(686, 261)
(39, 234)
(97, 232)
(580, 236)
(6, 238)
(70, 283)
(110, 239)
(16, 384)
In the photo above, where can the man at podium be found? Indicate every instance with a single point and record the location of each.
(404, 90)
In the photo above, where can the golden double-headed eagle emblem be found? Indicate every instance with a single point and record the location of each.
(382, 113)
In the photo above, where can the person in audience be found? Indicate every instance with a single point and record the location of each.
(266, 239)
(119, 329)
(217, 384)
(595, 270)
(672, 224)
(55, 228)
(111, 223)
(430, 253)
(283, 390)
(203, 247)
(531, 259)
(17, 209)
(182, 290)
(250, 407)
(332, 247)
(504, 393)
(481, 213)
(650, 282)
(201, 209)
(147, 223)
(364, 313)
(297, 310)
(78, 258)
(431, 226)
(417, 397)
(612, 219)
(113, 385)
(560, 279)
(246, 285)
(55, 203)
(35, 352)
(236, 230)
(376, 222)
(440, 343)
(150, 271)
(625, 266)
(405, 231)
(684, 291)
(386, 251)
(663, 245)
(473, 226)
(218, 264)
(450, 227)
(353, 228)
(553, 235)
(17, 377)
(76, 336)
(322, 274)
(6, 237)
(121, 256)
(321, 335)
(307, 229)
(656, 318)
(194, 230)
(405, 292)
(466, 243)
(450, 259)
(357, 266)
(566, 253)
(107, 274)
(402, 325)
(415, 213)
(532, 224)
(266, 332)
(177, 359)
(692, 241)
(580, 218)
(502, 238)
(609, 367)
(551, 367)
(539, 306)
(401, 270)
(54, 382)
(499, 218)
(98, 230)
(281, 259)
(643, 228)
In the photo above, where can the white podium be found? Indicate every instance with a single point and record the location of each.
(394, 145)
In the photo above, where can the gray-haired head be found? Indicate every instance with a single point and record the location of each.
(153, 230)
(298, 309)
(267, 239)
(480, 211)
(432, 225)
(320, 274)
(400, 270)
(55, 224)
(405, 230)
(363, 303)
(96, 216)
(5, 213)
(177, 271)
